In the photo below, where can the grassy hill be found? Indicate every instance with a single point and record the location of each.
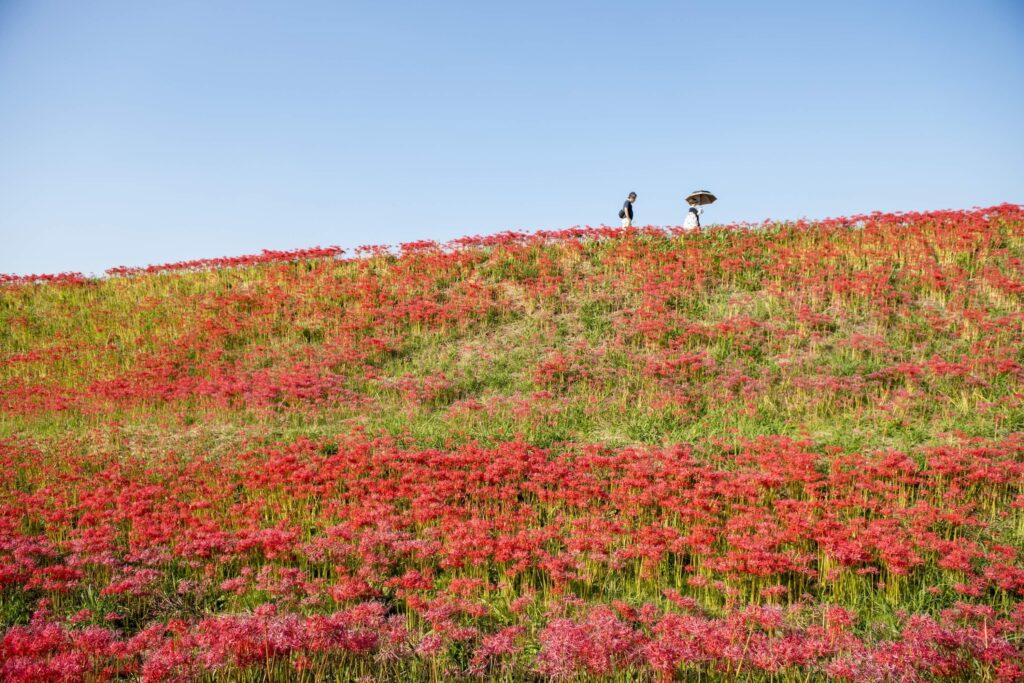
(771, 452)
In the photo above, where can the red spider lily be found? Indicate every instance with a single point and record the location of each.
(752, 453)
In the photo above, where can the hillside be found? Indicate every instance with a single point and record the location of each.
(773, 452)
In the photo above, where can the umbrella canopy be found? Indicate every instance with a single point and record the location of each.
(701, 197)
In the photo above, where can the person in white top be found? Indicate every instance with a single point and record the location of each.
(692, 221)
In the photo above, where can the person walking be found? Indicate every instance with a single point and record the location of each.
(626, 212)
(692, 221)
(696, 199)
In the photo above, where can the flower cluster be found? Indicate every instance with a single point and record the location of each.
(780, 452)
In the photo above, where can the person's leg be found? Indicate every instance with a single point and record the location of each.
(627, 222)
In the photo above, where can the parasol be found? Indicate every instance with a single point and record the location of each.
(701, 197)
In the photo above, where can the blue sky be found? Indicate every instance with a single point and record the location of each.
(146, 132)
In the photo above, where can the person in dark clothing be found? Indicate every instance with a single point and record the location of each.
(626, 213)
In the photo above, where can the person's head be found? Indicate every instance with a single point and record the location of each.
(632, 197)
(692, 201)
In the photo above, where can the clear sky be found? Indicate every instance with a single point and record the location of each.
(148, 132)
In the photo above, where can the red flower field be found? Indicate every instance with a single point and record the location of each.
(779, 452)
